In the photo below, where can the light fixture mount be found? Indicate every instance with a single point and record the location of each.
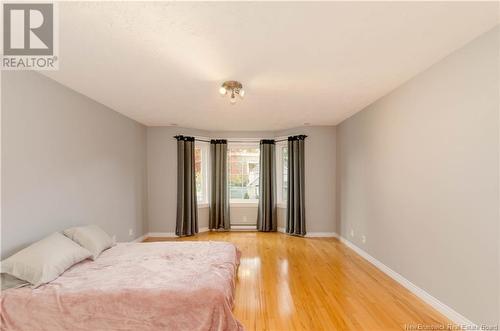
(234, 88)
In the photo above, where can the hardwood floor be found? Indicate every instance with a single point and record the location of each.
(290, 283)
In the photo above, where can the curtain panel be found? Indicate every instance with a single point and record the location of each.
(266, 217)
(219, 195)
(295, 211)
(187, 206)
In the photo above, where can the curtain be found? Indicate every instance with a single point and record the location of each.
(266, 217)
(219, 195)
(187, 208)
(295, 211)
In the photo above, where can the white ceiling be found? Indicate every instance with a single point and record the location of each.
(163, 62)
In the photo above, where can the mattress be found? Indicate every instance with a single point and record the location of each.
(134, 286)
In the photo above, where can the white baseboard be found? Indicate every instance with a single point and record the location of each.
(244, 228)
(321, 235)
(162, 234)
(166, 234)
(238, 228)
(422, 294)
(315, 234)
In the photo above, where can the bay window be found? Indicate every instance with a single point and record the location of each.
(243, 173)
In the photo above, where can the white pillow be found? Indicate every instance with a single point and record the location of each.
(91, 237)
(44, 260)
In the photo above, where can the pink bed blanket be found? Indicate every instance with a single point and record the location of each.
(137, 286)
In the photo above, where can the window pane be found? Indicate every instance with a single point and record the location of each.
(198, 173)
(243, 173)
(284, 153)
(236, 180)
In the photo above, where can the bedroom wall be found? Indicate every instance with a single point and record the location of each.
(418, 175)
(162, 176)
(67, 160)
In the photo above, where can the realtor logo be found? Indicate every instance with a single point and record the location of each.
(29, 36)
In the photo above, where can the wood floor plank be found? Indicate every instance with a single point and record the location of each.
(291, 283)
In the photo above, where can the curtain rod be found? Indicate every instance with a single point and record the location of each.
(242, 141)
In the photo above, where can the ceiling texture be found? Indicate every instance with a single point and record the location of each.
(162, 63)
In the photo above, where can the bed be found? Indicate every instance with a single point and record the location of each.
(134, 286)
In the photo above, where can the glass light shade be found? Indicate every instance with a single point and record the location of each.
(233, 99)
(222, 90)
(242, 93)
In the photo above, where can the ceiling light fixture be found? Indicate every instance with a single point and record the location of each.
(233, 88)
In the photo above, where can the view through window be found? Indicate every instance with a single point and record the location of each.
(201, 167)
(284, 178)
(282, 173)
(243, 167)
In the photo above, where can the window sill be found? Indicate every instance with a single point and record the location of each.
(281, 205)
(203, 205)
(243, 204)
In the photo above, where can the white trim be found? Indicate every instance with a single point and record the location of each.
(169, 234)
(447, 311)
(314, 234)
(243, 227)
(162, 234)
(321, 235)
(240, 204)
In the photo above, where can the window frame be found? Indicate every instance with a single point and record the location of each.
(282, 200)
(240, 202)
(205, 161)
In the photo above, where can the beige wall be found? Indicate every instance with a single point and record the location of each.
(418, 174)
(162, 176)
(67, 160)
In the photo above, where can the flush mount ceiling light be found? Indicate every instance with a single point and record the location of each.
(233, 88)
